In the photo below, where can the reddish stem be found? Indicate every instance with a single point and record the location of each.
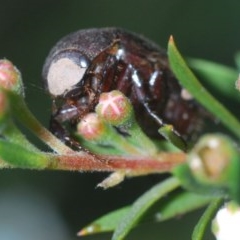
(163, 162)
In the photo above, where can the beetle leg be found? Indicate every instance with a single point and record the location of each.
(58, 129)
(162, 124)
(60, 132)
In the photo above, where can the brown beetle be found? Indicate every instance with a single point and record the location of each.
(86, 63)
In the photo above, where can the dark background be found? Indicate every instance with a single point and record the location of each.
(55, 205)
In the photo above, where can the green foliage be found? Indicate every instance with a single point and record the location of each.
(141, 205)
(166, 208)
(219, 77)
(196, 89)
(206, 218)
(195, 181)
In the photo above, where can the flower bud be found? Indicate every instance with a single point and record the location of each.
(115, 108)
(225, 226)
(94, 130)
(211, 159)
(91, 127)
(10, 77)
(212, 168)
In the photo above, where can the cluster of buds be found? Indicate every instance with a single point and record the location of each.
(115, 111)
(15, 149)
(111, 130)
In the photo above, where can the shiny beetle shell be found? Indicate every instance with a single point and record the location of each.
(86, 63)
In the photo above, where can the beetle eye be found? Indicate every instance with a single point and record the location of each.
(65, 71)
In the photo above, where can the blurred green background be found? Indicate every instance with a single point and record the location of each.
(55, 205)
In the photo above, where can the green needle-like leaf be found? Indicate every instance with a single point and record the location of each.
(170, 207)
(17, 155)
(141, 205)
(222, 78)
(191, 83)
(200, 228)
(182, 203)
(106, 223)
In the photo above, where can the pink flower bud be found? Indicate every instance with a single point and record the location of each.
(10, 77)
(91, 127)
(115, 108)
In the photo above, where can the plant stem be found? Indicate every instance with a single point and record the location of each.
(22, 113)
(121, 143)
(139, 139)
(201, 226)
(134, 165)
